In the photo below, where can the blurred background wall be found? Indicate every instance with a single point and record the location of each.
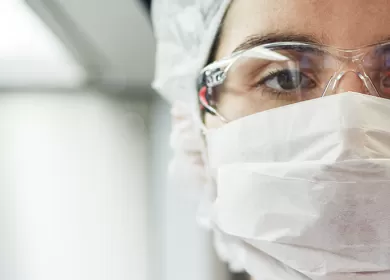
(84, 146)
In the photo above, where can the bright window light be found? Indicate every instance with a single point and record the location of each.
(30, 54)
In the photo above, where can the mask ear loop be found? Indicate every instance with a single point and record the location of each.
(203, 93)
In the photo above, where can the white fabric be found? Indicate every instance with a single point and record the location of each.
(185, 31)
(304, 190)
(189, 173)
(186, 168)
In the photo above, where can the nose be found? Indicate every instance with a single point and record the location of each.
(350, 81)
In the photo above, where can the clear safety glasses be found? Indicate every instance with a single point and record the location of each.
(279, 74)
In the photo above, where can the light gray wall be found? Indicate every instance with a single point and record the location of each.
(73, 187)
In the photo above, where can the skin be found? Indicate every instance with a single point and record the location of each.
(346, 24)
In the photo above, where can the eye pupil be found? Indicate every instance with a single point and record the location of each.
(289, 80)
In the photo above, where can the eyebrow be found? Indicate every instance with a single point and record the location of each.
(257, 40)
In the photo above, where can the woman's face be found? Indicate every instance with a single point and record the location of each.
(345, 24)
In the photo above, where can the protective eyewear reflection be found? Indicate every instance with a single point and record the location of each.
(283, 73)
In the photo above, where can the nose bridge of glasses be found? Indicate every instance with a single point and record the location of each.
(350, 77)
(353, 55)
(350, 80)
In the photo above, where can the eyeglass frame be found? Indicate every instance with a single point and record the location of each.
(212, 75)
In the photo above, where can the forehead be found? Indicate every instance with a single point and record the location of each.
(344, 24)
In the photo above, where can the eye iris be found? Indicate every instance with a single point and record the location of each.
(289, 80)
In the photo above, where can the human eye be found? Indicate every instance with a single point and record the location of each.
(300, 76)
(286, 81)
(377, 65)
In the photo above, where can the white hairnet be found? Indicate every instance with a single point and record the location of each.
(185, 31)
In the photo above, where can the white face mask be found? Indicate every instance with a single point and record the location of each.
(304, 190)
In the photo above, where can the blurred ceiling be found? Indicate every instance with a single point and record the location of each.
(30, 55)
(112, 40)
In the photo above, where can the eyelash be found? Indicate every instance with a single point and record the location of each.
(271, 75)
(269, 91)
